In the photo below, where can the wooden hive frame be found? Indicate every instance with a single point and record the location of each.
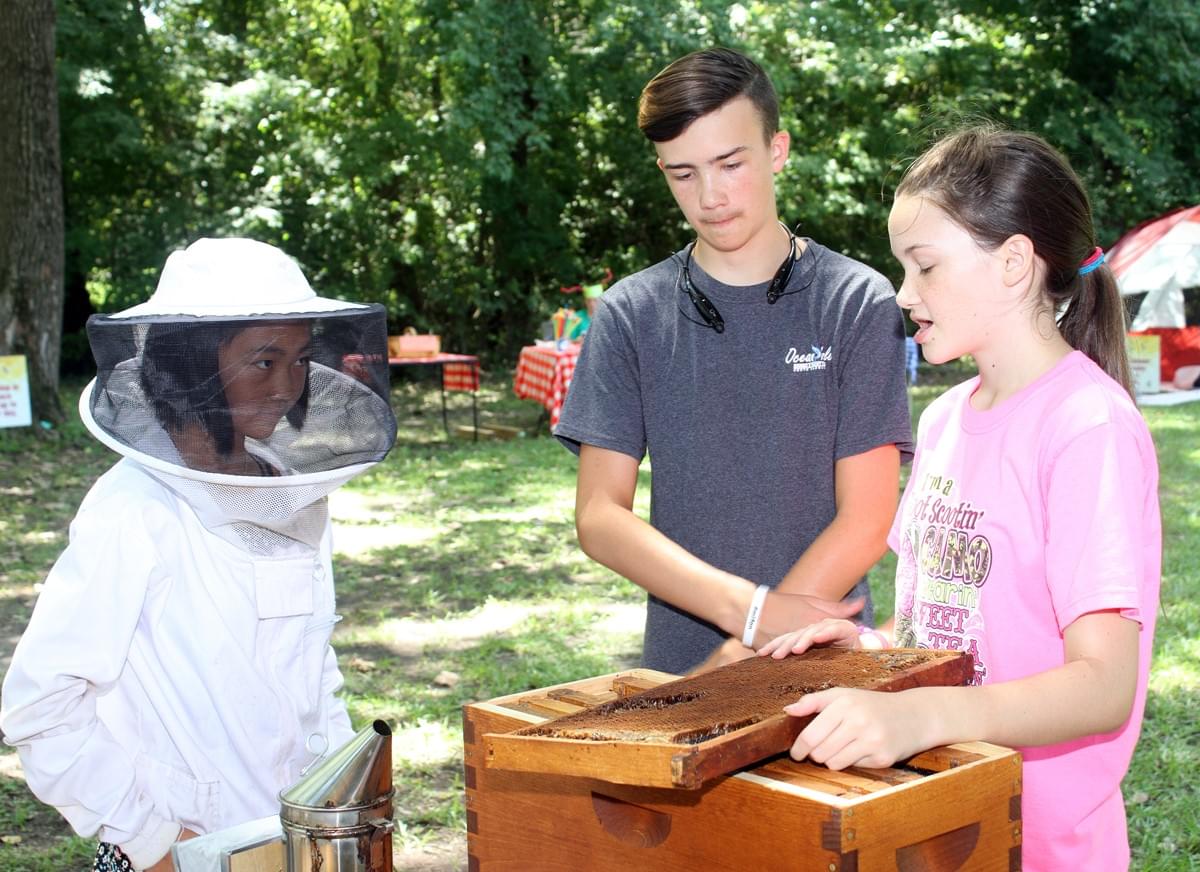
(732, 717)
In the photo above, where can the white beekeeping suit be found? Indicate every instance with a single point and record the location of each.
(176, 672)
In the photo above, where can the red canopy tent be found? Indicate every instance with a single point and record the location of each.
(1161, 258)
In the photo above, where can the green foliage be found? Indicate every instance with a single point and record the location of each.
(459, 160)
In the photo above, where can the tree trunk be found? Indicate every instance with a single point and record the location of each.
(31, 205)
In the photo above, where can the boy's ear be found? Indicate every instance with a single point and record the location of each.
(1019, 259)
(781, 144)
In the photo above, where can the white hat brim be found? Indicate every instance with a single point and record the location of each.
(309, 306)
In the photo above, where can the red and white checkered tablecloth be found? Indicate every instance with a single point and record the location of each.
(460, 372)
(544, 374)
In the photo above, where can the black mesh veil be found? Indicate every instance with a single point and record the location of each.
(267, 396)
(252, 421)
(238, 388)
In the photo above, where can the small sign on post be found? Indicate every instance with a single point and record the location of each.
(14, 392)
(1145, 364)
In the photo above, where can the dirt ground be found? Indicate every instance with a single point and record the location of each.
(449, 855)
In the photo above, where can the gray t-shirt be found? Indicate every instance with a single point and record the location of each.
(742, 427)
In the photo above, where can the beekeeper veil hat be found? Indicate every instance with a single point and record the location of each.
(242, 390)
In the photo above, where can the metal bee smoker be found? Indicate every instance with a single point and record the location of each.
(338, 817)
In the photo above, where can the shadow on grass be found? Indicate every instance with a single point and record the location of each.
(464, 567)
(547, 647)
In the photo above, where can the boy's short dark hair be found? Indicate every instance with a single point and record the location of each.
(700, 83)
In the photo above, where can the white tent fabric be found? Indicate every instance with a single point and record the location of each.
(1160, 259)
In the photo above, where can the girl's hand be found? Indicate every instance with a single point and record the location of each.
(829, 632)
(859, 727)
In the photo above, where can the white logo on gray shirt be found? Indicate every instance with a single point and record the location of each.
(816, 358)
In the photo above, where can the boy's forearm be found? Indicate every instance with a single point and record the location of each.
(617, 538)
(866, 491)
(836, 559)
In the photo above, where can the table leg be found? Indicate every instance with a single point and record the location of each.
(474, 402)
(445, 420)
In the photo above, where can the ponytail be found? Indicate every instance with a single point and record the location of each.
(1094, 323)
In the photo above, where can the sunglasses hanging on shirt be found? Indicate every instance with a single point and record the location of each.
(776, 289)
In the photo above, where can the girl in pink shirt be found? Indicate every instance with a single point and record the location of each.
(1029, 531)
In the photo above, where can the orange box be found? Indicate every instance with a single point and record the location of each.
(414, 345)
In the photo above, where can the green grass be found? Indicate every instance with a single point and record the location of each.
(1161, 790)
(460, 579)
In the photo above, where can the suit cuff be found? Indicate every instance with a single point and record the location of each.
(152, 843)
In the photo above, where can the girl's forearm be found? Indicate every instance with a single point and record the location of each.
(1068, 702)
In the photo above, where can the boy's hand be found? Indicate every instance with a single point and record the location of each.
(783, 612)
(730, 651)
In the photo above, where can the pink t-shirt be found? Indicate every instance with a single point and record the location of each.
(1016, 521)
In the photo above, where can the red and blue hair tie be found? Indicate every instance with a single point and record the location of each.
(1093, 260)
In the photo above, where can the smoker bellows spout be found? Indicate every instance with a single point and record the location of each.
(356, 774)
(338, 817)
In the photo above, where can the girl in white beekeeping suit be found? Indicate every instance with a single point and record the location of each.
(176, 673)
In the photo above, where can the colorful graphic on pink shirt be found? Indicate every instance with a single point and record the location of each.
(944, 563)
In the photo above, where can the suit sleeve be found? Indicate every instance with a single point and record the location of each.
(72, 652)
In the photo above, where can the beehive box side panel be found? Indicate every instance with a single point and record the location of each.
(544, 823)
(482, 718)
(965, 817)
(646, 764)
(478, 718)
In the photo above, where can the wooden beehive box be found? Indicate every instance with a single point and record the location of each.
(950, 808)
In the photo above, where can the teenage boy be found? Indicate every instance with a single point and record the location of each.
(763, 373)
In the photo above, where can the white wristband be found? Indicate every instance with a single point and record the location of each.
(754, 613)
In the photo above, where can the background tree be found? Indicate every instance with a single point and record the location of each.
(459, 160)
(125, 107)
(31, 214)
